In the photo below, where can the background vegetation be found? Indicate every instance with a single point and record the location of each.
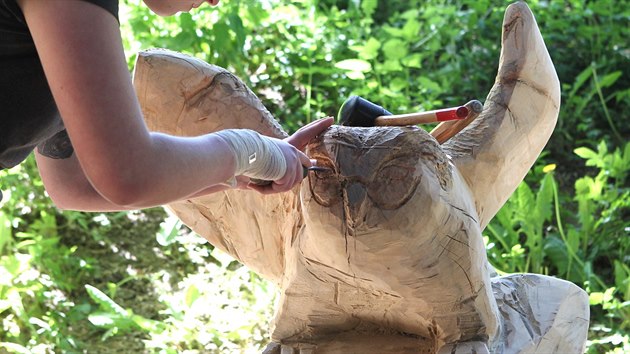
(139, 281)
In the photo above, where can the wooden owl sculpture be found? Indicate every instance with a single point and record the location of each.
(383, 253)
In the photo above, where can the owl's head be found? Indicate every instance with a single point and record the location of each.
(374, 176)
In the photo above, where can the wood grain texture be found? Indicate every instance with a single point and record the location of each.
(185, 96)
(383, 253)
(495, 151)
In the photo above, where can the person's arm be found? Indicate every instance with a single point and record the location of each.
(81, 51)
(70, 189)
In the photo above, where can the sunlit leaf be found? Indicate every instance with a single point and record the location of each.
(369, 6)
(356, 65)
(596, 298)
(412, 61)
(192, 294)
(104, 301)
(394, 31)
(15, 348)
(395, 49)
(411, 29)
(390, 66)
(610, 79)
(169, 230)
(398, 84)
(549, 168)
(429, 84)
(369, 50)
(111, 320)
(147, 324)
(585, 153)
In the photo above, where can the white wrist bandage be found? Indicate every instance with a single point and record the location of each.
(256, 156)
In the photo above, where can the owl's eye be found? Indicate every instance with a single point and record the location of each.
(323, 173)
(394, 184)
(325, 186)
(395, 173)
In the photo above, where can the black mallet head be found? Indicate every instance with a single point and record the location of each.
(359, 112)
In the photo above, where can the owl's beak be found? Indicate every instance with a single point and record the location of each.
(355, 194)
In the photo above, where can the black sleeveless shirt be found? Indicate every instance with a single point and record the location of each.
(28, 113)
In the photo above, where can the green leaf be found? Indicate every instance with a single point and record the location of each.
(5, 231)
(602, 148)
(412, 61)
(585, 153)
(581, 79)
(104, 301)
(148, 325)
(256, 14)
(622, 279)
(610, 79)
(111, 320)
(544, 198)
(169, 230)
(192, 294)
(368, 7)
(573, 240)
(556, 250)
(370, 49)
(186, 22)
(356, 65)
(14, 348)
(395, 49)
(398, 84)
(596, 298)
(549, 168)
(389, 66)
(411, 29)
(236, 24)
(355, 75)
(222, 39)
(102, 319)
(394, 32)
(429, 84)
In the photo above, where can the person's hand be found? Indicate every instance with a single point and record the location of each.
(308, 132)
(292, 148)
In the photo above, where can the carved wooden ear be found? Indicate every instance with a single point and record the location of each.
(182, 95)
(495, 151)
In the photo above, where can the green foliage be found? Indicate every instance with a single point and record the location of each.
(165, 296)
(586, 241)
(115, 318)
(36, 270)
(521, 222)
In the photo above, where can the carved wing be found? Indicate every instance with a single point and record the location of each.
(185, 96)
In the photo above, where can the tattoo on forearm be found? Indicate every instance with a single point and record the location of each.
(57, 147)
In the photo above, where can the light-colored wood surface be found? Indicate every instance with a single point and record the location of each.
(496, 150)
(383, 253)
(540, 314)
(185, 96)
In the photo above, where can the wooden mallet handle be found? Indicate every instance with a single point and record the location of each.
(470, 109)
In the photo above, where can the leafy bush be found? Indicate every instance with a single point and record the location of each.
(71, 282)
(583, 238)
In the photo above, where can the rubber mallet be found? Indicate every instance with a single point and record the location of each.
(359, 112)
